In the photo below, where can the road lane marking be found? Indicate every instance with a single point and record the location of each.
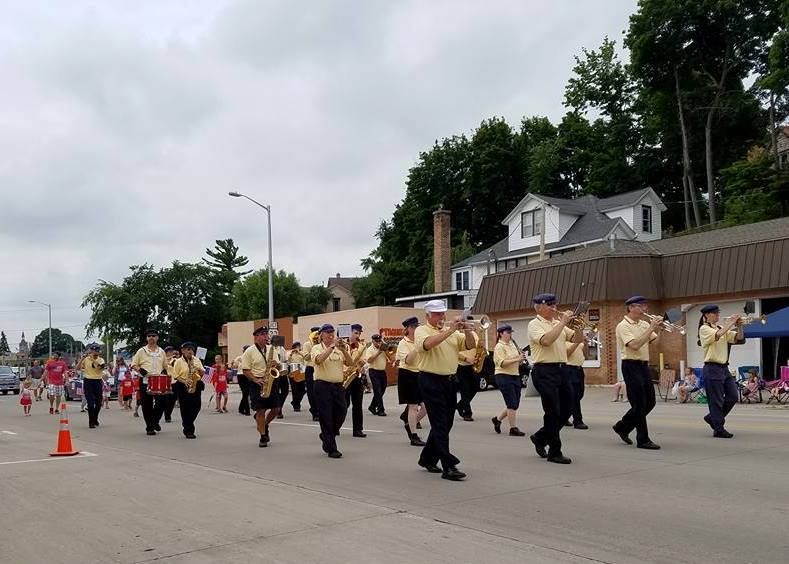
(318, 427)
(8, 432)
(83, 454)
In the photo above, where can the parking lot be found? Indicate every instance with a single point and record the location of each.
(135, 498)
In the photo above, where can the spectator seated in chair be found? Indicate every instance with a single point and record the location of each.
(750, 388)
(687, 386)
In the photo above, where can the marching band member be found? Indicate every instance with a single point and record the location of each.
(467, 381)
(438, 346)
(92, 366)
(309, 370)
(719, 384)
(150, 359)
(283, 383)
(243, 383)
(329, 357)
(297, 383)
(355, 392)
(187, 372)
(168, 400)
(376, 359)
(507, 359)
(548, 335)
(575, 368)
(408, 381)
(254, 363)
(633, 335)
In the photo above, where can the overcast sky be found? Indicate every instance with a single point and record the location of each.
(123, 125)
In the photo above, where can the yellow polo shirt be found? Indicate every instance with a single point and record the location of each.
(379, 363)
(404, 348)
(556, 351)
(442, 359)
(466, 357)
(305, 350)
(715, 351)
(180, 369)
(577, 357)
(153, 362)
(503, 351)
(255, 361)
(628, 330)
(92, 369)
(296, 357)
(331, 369)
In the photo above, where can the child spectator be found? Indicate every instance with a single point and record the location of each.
(126, 393)
(106, 389)
(26, 401)
(219, 379)
(687, 385)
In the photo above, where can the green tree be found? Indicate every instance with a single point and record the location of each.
(62, 342)
(4, 348)
(754, 189)
(250, 296)
(225, 261)
(315, 300)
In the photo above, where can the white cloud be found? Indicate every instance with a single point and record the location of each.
(123, 125)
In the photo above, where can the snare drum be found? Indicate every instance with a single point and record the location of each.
(159, 384)
(296, 372)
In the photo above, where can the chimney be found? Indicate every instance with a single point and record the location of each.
(442, 251)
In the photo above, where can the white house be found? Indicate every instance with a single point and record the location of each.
(560, 225)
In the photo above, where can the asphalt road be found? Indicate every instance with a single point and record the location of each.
(220, 498)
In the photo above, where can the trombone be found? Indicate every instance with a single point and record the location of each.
(748, 319)
(578, 321)
(668, 325)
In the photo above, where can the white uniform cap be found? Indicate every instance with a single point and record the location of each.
(435, 306)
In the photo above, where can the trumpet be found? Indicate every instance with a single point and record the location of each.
(668, 326)
(748, 319)
(578, 322)
(476, 324)
(341, 344)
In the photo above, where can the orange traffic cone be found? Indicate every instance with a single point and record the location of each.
(65, 447)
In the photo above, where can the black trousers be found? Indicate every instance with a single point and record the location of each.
(298, 389)
(283, 383)
(552, 381)
(243, 404)
(168, 402)
(378, 380)
(641, 395)
(189, 404)
(721, 392)
(91, 387)
(152, 408)
(332, 408)
(309, 383)
(353, 398)
(577, 384)
(439, 395)
(468, 384)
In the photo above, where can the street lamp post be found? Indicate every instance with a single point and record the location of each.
(270, 263)
(49, 307)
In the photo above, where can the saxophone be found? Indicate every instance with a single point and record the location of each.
(271, 374)
(350, 373)
(480, 354)
(193, 378)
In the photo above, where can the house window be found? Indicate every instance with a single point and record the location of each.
(646, 219)
(461, 280)
(531, 223)
(335, 304)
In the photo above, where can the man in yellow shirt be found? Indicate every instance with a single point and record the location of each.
(408, 394)
(243, 383)
(330, 357)
(633, 335)
(309, 370)
(150, 359)
(548, 335)
(296, 375)
(438, 344)
(184, 371)
(354, 394)
(467, 381)
(376, 358)
(92, 366)
(255, 366)
(719, 384)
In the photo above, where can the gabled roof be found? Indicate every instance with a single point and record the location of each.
(343, 282)
(626, 200)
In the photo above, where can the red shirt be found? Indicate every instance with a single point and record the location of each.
(219, 378)
(56, 372)
(127, 386)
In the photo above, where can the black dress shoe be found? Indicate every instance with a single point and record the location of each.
(708, 420)
(622, 435)
(158, 427)
(91, 426)
(371, 410)
(416, 441)
(432, 468)
(381, 414)
(151, 432)
(359, 434)
(335, 454)
(496, 425)
(649, 445)
(263, 442)
(280, 416)
(168, 420)
(190, 436)
(468, 418)
(315, 418)
(581, 426)
(722, 434)
(568, 424)
(515, 432)
(453, 474)
(559, 459)
(540, 448)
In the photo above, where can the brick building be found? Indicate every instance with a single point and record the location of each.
(724, 266)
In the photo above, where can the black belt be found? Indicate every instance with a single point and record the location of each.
(445, 376)
(718, 363)
(636, 361)
(550, 364)
(330, 383)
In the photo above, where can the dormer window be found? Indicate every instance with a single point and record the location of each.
(531, 223)
(646, 219)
